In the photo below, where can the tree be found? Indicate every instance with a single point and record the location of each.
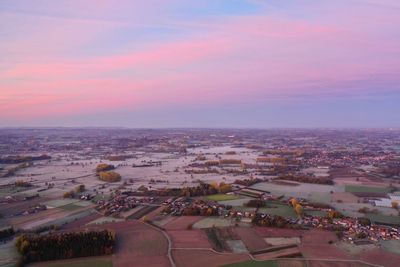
(224, 188)
(80, 188)
(293, 202)
(69, 194)
(104, 167)
(298, 209)
(214, 185)
(395, 204)
(143, 188)
(332, 214)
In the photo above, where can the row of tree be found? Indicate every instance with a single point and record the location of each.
(306, 179)
(249, 181)
(65, 245)
(7, 233)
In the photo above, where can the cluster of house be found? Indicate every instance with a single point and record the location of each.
(351, 229)
(187, 206)
(121, 203)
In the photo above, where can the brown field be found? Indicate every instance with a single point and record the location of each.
(367, 181)
(154, 213)
(81, 222)
(282, 253)
(182, 222)
(9, 209)
(278, 232)
(142, 212)
(315, 245)
(138, 245)
(250, 238)
(188, 239)
(202, 258)
(25, 222)
(345, 197)
(381, 257)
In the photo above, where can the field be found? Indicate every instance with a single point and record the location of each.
(366, 189)
(391, 245)
(315, 245)
(345, 197)
(182, 222)
(209, 222)
(380, 218)
(138, 245)
(201, 258)
(279, 209)
(250, 238)
(7, 190)
(251, 263)
(188, 239)
(81, 221)
(278, 232)
(381, 257)
(222, 197)
(235, 202)
(86, 262)
(9, 209)
(8, 252)
(313, 192)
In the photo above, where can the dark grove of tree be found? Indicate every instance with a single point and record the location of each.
(65, 245)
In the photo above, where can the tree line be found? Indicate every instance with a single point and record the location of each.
(57, 246)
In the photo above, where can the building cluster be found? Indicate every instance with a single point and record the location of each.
(121, 203)
(349, 229)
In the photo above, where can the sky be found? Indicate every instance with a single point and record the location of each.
(208, 63)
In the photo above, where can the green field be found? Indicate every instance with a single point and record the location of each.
(366, 189)
(10, 190)
(84, 263)
(392, 246)
(270, 263)
(384, 219)
(279, 209)
(100, 197)
(222, 197)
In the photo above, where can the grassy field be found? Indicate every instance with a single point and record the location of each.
(10, 190)
(70, 207)
(270, 263)
(392, 246)
(367, 189)
(279, 209)
(385, 219)
(222, 197)
(60, 202)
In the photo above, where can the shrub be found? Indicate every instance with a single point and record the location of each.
(110, 177)
(80, 188)
(104, 167)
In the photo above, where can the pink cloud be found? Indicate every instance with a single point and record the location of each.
(240, 59)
